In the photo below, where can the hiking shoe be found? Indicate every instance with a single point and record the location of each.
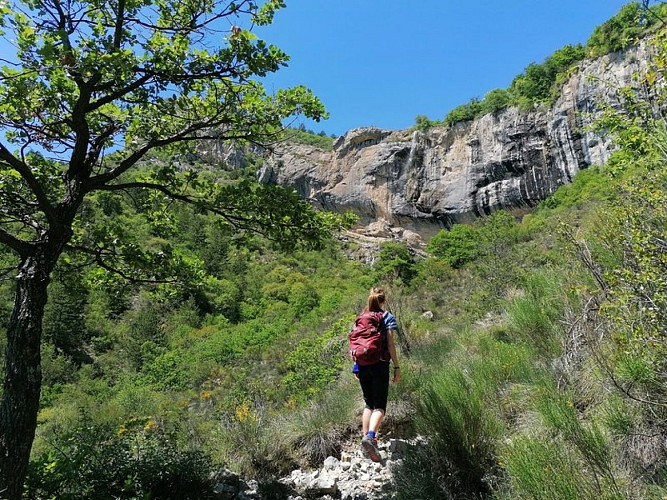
(371, 446)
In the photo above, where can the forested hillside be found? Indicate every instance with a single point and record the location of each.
(193, 346)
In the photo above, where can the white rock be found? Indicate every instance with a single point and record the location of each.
(331, 463)
(323, 485)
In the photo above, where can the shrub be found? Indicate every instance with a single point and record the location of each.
(303, 136)
(303, 298)
(496, 100)
(316, 431)
(559, 412)
(168, 371)
(139, 461)
(223, 296)
(538, 82)
(249, 441)
(423, 123)
(422, 476)
(457, 246)
(618, 32)
(395, 263)
(464, 112)
(315, 362)
(533, 317)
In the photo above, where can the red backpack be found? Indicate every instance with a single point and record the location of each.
(367, 338)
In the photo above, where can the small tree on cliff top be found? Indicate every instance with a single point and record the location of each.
(93, 88)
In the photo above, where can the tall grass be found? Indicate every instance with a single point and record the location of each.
(317, 431)
(454, 416)
(540, 468)
(462, 420)
(588, 439)
(461, 426)
(533, 316)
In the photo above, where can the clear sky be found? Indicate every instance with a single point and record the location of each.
(383, 62)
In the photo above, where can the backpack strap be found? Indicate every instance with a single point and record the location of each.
(385, 343)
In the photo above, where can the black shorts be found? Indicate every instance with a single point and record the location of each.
(374, 380)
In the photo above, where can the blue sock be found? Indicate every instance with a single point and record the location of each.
(371, 434)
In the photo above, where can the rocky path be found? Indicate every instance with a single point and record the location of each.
(352, 476)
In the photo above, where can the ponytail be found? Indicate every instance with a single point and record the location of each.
(375, 300)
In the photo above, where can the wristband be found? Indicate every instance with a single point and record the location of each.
(397, 368)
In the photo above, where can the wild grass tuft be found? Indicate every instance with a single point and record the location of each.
(533, 317)
(541, 468)
(317, 430)
(588, 439)
(462, 431)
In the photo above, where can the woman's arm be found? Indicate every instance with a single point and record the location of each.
(392, 353)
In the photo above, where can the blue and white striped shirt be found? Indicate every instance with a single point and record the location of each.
(390, 321)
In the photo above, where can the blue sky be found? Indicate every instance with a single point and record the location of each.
(382, 63)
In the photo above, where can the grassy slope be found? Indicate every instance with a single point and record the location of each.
(508, 379)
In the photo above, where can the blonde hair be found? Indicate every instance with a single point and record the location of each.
(375, 300)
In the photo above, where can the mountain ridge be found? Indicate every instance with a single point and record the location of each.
(426, 180)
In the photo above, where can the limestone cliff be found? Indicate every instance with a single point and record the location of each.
(426, 180)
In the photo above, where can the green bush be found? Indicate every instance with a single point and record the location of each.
(559, 412)
(538, 82)
(496, 100)
(249, 441)
(533, 317)
(168, 371)
(588, 186)
(618, 32)
(138, 461)
(318, 430)
(395, 263)
(303, 136)
(303, 298)
(458, 246)
(423, 123)
(315, 362)
(464, 112)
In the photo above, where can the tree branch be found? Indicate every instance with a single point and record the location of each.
(118, 29)
(18, 245)
(81, 129)
(98, 144)
(34, 185)
(98, 258)
(194, 26)
(235, 220)
(98, 181)
(118, 93)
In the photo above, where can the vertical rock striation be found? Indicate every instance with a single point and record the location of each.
(507, 160)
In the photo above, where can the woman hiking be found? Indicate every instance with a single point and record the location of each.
(372, 369)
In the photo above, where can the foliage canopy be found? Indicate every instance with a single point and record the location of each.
(94, 91)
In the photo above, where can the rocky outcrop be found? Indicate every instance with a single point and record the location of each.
(421, 180)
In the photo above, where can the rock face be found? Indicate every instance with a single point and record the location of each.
(427, 180)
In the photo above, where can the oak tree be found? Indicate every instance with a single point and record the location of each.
(91, 89)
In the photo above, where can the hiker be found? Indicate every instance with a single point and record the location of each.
(373, 375)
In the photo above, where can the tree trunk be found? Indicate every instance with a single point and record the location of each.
(23, 374)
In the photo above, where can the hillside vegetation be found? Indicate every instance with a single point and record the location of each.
(542, 373)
